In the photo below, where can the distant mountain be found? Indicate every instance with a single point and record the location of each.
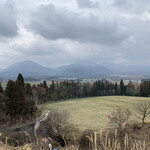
(82, 70)
(120, 68)
(33, 71)
(27, 68)
(85, 62)
(128, 69)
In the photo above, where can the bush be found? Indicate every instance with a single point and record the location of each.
(119, 118)
(57, 127)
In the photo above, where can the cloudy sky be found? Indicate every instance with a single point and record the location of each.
(59, 32)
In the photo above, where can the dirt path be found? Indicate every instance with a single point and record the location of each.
(42, 118)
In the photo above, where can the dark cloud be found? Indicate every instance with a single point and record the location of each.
(87, 4)
(56, 24)
(136, 6)
(38, 47)
(117, 32)
(121, 3)
(8, 25)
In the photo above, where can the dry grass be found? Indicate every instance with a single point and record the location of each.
(114, 144)
(90, 113)
(105, 145)
(42, 144)
(8, 147)
(98, 140)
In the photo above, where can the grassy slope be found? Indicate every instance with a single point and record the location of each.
(92, 112)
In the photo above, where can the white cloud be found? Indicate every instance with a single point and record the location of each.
(87, 4)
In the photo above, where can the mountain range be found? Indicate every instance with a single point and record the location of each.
(83, 69)
(32, 69)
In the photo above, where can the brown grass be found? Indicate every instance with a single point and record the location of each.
(90, 113)
(98, 140)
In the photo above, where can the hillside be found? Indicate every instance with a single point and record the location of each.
(34, 71)
(94, 110)
(27, 68)
(83, 70)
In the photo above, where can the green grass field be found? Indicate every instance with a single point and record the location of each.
(92, 112)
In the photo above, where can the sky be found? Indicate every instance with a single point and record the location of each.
(60, 32)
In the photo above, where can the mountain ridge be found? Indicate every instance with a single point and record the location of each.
(81, 69)
(32, 69)
(27, 68)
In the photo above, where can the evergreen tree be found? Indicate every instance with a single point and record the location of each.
(10, 103)
(1, 89)
(28, 90)
(15, 104)
(85, 91)
(20, 100)
(3, 114)
(30, 105)
(94, 89)
(44, 84)
(52, 86)
(122, 88)
(21, 79)
(145, 89)
(116, 88)
(102, 89)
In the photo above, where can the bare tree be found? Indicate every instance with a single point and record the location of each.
(143, 110)
(59, 121)
(57, 126)
(119, 117)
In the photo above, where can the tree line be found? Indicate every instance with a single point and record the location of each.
(72, 89)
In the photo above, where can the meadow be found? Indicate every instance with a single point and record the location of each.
(91, 113)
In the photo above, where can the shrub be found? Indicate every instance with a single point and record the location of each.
(57, 127)
(142, 110)
(119, 117)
